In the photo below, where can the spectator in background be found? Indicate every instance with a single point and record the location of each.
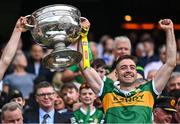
(108, 55)
(101, 44)
(121, 47)
(94, 49)
(155, 65)
(176, 116)
(12, 113)
(70, 95)
(149, 48)
(174, 82)
(59, 104)
(34, 63)
(100, 66)
(164, 109)
(87, 113)
(16, 96)
(19, 79)
(45, 97)
(140, 50)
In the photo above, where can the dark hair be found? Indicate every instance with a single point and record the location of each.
(98, 63)
(133, 58)
(68, 86)
(43, 84)
(14, 93)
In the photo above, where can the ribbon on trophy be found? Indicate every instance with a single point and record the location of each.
(85, 50)
(87, 55)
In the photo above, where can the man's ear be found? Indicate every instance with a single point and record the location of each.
(36, 98)
(24, 102)
(116, 74)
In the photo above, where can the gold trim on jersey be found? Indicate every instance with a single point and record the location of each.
(144, 98)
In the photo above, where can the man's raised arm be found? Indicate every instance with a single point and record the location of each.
(91, 76)
(165, 71)
(11, 47)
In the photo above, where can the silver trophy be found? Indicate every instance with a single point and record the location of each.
(55, 27)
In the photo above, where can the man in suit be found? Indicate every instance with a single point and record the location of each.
(45, 97)
(35, 64)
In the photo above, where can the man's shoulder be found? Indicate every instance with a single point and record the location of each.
(62, 117)
(31, 115)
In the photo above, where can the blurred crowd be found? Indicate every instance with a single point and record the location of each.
(32, 90)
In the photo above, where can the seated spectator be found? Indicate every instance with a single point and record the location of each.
(87, 113)
(11, 113)
(164, 109)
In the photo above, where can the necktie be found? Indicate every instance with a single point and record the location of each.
(45, 119)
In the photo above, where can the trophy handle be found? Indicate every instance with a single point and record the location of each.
(30, 19)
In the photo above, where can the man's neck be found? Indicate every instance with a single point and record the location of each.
(127, 87)
(47, 109)
(151, 53)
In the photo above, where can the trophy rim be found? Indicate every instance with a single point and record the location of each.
(76, 56)
(53, 5)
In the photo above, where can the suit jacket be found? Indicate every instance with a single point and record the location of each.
(42, 70)
(32, 116)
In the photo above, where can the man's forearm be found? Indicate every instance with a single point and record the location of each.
(9, 51)
(11, 47)
(163, 74)
(171, 48)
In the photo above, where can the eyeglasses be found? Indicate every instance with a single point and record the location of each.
(46, 94)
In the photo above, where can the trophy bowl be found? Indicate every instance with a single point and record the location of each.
(55, 27)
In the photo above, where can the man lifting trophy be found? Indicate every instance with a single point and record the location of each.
(55, 27)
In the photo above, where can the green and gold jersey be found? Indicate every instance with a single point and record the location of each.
(80, 117)
(133, 107)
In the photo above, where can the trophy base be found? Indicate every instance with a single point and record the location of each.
(61, 59)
